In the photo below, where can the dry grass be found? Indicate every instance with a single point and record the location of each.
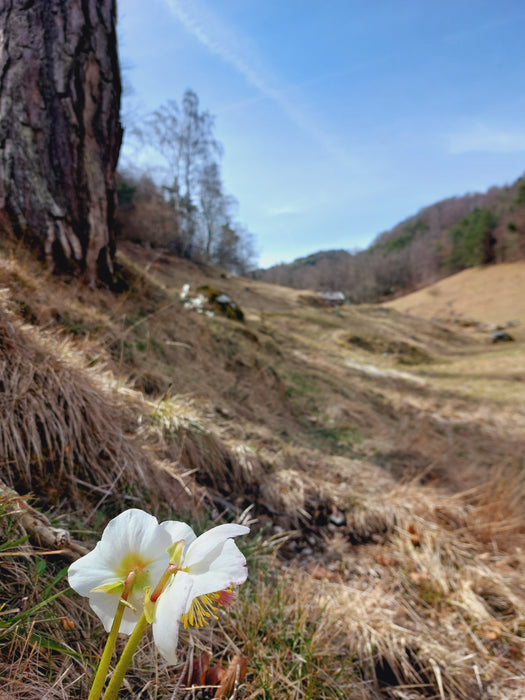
(386, 557)
(63, 436)
(488, 295)
(419, 608)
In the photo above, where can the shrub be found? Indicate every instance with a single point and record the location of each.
(144, 216)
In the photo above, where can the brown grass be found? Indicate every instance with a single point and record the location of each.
(62, 434)
(386, 550)
(489, 295)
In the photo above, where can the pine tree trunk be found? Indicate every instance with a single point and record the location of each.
(60, 132)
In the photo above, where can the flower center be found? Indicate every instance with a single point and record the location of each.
(132, 568)
(204, 607)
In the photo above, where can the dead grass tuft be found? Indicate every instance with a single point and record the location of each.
(496, 509)
(234, 475)
(63, 431)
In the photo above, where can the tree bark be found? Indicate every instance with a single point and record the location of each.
(60, 132)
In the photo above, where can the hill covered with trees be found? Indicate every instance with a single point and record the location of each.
(441, 239)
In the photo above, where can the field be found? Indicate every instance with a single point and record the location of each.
(375, 451)
(484, 295)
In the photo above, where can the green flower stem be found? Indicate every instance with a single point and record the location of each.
(125, 660)
(102, 670)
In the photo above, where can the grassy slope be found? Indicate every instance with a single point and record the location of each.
(389, 446)
(494, 295)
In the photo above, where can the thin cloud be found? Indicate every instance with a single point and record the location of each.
(223, 42)
(284, 210)
(485, 139)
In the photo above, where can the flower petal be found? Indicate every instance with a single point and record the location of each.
(134, 530)
(168, 611)
(224, 566)
(90, 571)
(206, 543)
(179, 531)
(105, 606)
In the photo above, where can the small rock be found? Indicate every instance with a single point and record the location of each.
(501, 337)
(224, 299)
(337, 518)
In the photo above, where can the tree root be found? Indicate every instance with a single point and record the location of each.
(38, 527)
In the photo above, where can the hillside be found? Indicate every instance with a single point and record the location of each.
(441, 239)
(483, 295)
(377, 455)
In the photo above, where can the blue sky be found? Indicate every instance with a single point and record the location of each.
(338, 118)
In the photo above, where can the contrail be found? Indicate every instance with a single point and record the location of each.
(224, 43)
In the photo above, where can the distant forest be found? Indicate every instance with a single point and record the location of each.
(444, 238)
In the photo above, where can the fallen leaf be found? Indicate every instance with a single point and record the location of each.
(68, 624)
(385, 560)
(414, 535)
(196, 674)
(234, 674)
(491, 631)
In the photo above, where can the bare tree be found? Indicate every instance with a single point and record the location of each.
(183, 137)
(215, 206)
(235, 249)
(162, 131)
(60, 133)
(198, 147)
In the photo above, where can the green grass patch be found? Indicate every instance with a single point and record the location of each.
(294, 648)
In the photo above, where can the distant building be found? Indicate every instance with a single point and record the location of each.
(334, 298)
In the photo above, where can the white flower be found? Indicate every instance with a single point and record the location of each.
(208, 567)
(162, 570)
(131, 556)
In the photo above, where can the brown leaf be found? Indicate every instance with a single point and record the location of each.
(68, 624)
(234, 674)
(197, 673)
(215, 674)
(414, 535)
(385, 560)
(492, 631)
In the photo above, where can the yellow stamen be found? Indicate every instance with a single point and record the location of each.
(203, 609)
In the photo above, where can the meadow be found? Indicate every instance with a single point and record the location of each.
(376, 452)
